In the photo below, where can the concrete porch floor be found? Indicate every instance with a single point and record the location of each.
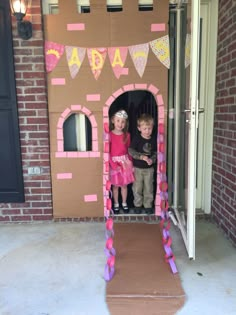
(57, 269)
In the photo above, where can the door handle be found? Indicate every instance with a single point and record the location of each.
(200, 111)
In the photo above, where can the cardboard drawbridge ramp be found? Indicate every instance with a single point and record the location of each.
(143, 282)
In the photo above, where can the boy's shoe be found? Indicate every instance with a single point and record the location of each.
(149, 210)
(125, 209)
(116, 210)
(138, 210)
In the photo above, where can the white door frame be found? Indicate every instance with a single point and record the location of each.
(209, 13)
(191, 110)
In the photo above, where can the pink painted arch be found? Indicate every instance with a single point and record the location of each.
(60, 139)
(161, 175)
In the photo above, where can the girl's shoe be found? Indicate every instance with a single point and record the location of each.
(125, 209)
(116, 210)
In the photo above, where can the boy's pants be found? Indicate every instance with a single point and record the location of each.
(143, 187)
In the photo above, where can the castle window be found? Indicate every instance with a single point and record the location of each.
(77, 132)
(145, 5)
(50, 6)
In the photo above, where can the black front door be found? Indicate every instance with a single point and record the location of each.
(11, 178)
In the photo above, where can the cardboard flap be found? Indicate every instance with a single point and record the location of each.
(130, 6)
(67, 6)
(134, 5)
(162, 7)
(156, 4)
(98, 6)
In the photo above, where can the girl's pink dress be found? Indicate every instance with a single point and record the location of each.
(121, 166)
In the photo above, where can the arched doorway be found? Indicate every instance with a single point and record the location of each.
(135, 103)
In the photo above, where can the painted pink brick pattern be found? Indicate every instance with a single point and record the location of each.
(83, 154)
(72, 154)
(64, 176)
(60, 146)
(66, 112)
(105, 112)
(95, 148)
(86, 111)
(76, 27)
(158, 27)
(60, 154)
(154, 90)
(93, 97)
(161, 112)
(128, 87)
(76, 107)
(95, 134)
(159, 99)
(60, 122)
(141, 86)
(94, 154)
(110, 100)
(106, 120)
(118, 93)
(60, 140)
(90, 198)
(59, 134)
(93, 121)
(58, 81)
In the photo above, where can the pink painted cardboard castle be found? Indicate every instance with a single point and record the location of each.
(91, 60)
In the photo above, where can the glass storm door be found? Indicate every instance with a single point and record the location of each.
(186, 121)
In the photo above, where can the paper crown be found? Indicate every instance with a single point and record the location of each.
(121, 114)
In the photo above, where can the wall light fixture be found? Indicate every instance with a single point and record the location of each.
(19, 9)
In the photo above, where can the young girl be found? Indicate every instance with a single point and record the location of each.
(121, 166)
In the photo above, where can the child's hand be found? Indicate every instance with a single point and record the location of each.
(149, 161)
(146, 159)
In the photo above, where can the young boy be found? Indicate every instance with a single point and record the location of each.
(143, 151)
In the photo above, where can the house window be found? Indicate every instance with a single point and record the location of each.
(77, 132)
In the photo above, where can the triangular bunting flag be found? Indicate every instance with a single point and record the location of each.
(75, 58)
(117, 56)
(139, 55)
(53, 53)
(160, 48)
(96, 57)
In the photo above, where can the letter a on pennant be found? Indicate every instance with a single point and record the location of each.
(96, 57)
(75, 57)
(117, 56)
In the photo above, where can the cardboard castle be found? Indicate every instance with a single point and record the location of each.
(92, 59)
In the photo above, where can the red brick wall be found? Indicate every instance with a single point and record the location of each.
(33, 124)
(224, 150)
